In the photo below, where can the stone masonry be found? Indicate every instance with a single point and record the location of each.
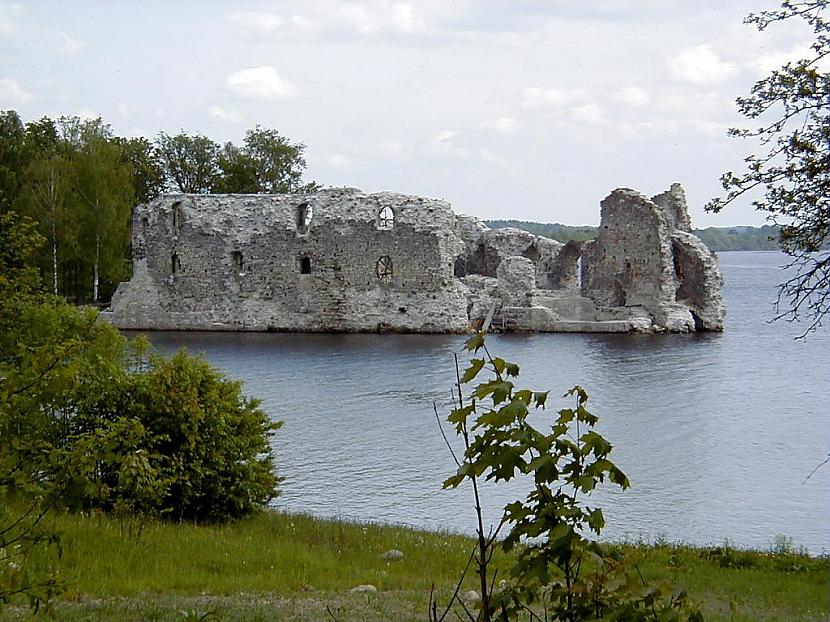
(340, 260)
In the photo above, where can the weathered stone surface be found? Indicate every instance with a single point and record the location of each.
(345, 261)
(675, 210)
(517, 281)
(322, 262)
(699, 280)
(485, 253)
(644, 257)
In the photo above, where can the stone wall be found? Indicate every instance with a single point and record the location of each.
(332, 261)
(345, 261)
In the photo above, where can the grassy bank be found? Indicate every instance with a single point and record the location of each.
(290, 567)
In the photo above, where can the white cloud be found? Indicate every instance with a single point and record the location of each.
(589, 113)
(712, 129)
(220, 114)
(392, 150)
(260, 83)
(456, 145)
(123, 110)
(69, 45)
(699, 65)
(253, 22)
(557, 99)
(632, 96)
(649, 129)
(369, 18)
(775, 60)
(87, 114)
(441, 144)
(340, 161)
(12, 93)
(503, 125)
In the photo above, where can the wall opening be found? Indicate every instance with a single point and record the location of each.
(304, 214)
(175, 264)
(386, 218)
(384, 268)
(305, 265)
(238, 261)
(178, 217)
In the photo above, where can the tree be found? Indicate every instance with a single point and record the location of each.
(104, 186)
(143, 158)
(792, 174)
(238, 172)
(189, 162)
(46, 190)
(13, 157)
(279, 162)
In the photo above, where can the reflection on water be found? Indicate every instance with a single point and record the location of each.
(716, 432)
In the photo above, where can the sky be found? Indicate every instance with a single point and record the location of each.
(513, 109)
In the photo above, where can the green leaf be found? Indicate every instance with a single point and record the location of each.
(498, 365)
(459, 415)
(472, 371)
(475, 343)
(596, 521)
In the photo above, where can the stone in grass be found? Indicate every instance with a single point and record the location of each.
(364, 589)
(392, 555)
(472, 597)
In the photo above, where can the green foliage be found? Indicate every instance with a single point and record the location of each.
(189, 162)
(79, 181)
(266, 163)
(790, 178)
(204, 447)
(558, 567)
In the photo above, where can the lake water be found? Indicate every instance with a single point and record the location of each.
(717, 432)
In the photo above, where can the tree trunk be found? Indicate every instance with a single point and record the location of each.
(95, 269)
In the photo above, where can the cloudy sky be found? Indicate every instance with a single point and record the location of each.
(527, 109)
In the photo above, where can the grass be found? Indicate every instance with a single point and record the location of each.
(290, 567)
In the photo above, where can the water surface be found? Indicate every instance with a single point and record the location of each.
(717, 432)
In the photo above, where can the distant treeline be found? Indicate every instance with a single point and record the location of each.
(716, 238)
(79, 181)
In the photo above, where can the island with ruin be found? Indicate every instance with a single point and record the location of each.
(340, 260)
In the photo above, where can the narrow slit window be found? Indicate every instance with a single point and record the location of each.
(384, 269)
(177, 217)
(238, 261)
(175, 264)
(386, 218)
(305, 265)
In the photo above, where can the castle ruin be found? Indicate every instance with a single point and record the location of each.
(340, 260)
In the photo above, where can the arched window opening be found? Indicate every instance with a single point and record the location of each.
(386, 218)
(305, 265)
(384, 269)
(175, 264)
(238, 261)
(304, 214)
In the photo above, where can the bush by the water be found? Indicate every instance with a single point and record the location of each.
(92, 419)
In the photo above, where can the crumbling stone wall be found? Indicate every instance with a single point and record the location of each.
(630, 261)
(699, 280)
(322, 262)
(490, 247)
(342, 260)
(564, 271)
(644, 257)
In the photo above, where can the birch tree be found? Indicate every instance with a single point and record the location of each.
(103, 183)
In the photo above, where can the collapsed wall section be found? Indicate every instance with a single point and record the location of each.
(630, 261)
